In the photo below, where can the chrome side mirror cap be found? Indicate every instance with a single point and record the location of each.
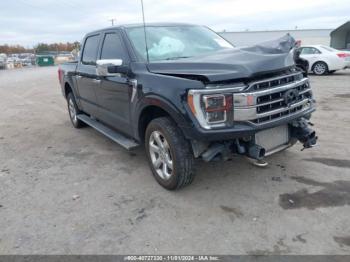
(106, 67)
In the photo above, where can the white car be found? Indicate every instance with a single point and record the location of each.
(323, 59)
(347, 58)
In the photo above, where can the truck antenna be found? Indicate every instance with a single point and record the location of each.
(144, 29)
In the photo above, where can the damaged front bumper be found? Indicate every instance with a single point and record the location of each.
(259, 145)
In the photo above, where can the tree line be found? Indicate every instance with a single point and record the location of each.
(41, 47)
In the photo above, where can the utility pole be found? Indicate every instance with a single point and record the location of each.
(112, 21)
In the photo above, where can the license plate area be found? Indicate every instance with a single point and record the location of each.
(273, 138)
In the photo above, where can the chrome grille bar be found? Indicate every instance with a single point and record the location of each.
(268, 102)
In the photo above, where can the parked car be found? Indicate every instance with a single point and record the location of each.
(188, 94)
(323, 59)
(347, 58)
(3, 60)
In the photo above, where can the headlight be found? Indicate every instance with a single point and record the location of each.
(211, 110)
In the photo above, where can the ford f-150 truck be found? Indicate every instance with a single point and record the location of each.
(185, 92)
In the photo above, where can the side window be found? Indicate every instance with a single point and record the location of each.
(113, 48)
(90, 50)
(309, 51)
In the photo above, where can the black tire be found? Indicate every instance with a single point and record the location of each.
(320, 68)
(72, 106)
(177, 149)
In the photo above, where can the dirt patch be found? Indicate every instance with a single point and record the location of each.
(346, 95)
(344, 163)
(278, 249)
(233, 212)
(299, 238)
(342, 241)
(332, 194)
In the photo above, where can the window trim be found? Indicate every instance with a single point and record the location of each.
(97, 53)
(118, 33)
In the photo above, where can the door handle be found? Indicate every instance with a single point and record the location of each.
(97, 81)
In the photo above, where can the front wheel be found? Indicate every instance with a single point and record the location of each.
(169, 154)
(320, 68)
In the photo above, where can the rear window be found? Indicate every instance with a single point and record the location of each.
(90, 50)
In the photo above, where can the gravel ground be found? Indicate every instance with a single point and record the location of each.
(69, 191)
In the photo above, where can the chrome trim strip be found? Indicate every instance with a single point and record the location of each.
(271, 79)
(278, 89)
(250, 114)
(280, 110)
(281, 118)
(277, 149)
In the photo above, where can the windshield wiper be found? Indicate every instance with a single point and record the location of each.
(176, 57)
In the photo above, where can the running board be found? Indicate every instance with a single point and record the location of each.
(113, 135)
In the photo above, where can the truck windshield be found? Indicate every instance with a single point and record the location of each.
(174, 42)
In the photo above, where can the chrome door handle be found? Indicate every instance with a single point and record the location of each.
(97, 81)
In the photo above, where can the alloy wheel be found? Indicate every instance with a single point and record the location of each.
(72, 111)
(160, 155)
(320, 68)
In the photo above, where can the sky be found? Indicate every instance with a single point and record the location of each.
(27, 22)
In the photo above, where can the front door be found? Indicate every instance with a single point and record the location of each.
(114, 92)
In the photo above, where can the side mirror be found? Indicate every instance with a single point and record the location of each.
(109, 67)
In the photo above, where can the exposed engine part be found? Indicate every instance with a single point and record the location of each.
(301, 131)
(240, 149)
(198, 147)
(256, 152)
(217, 151)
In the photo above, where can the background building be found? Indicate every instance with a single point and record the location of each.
(338, 38)
(307, 36)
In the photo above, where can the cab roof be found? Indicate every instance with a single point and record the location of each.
(123, 26)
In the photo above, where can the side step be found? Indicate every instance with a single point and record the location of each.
(113, 135)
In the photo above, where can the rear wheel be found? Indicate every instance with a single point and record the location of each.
(320, 68)
(169, 154)
(74, 111)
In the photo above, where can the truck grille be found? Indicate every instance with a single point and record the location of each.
(274, 98)
(275, 82)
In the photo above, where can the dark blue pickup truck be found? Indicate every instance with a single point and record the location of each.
(185, 92)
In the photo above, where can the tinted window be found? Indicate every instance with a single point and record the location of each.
(90, 50)
(113, 47)
(309, 51)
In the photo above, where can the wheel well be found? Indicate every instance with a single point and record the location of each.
(67, 89)
(312, 68)
(147, 115)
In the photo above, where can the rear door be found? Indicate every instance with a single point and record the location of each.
(87, 79)
(114, 92)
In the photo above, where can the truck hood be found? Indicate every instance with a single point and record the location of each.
(234, 63)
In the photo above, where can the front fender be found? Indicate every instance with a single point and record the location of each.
(176, 113)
